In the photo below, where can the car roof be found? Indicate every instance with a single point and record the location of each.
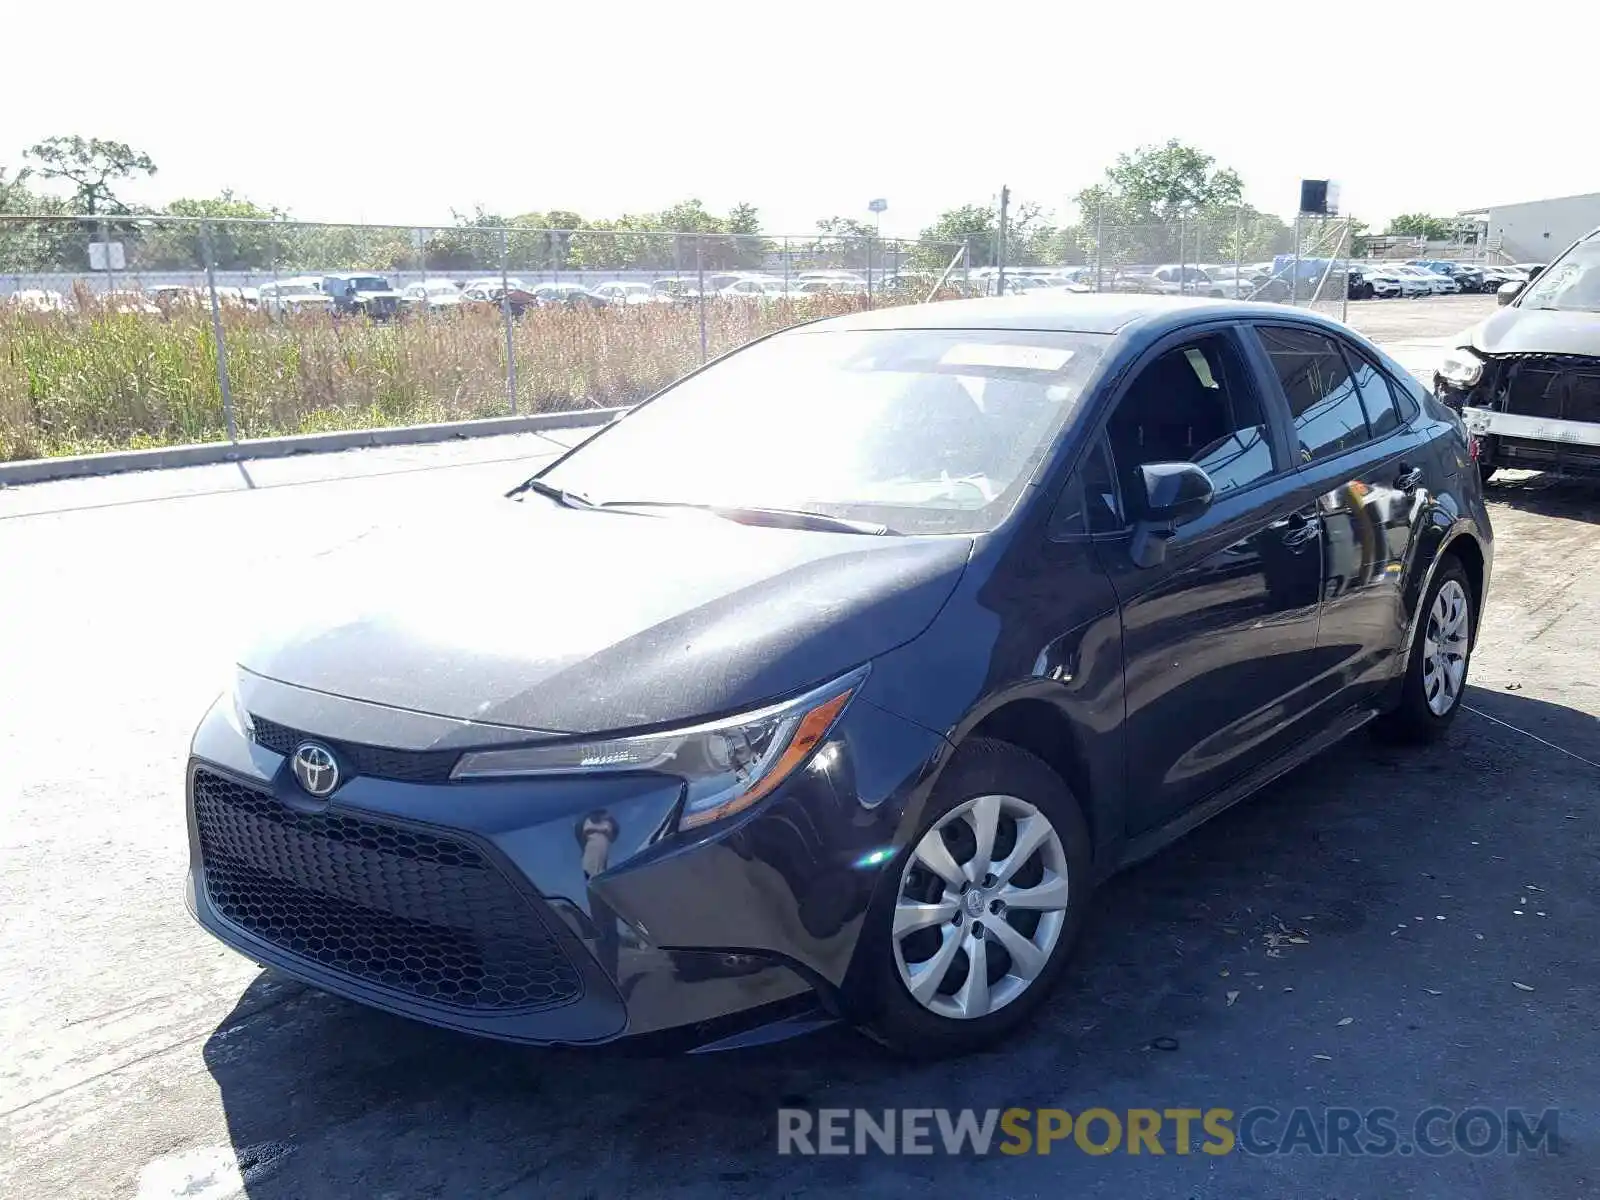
(1066, 312)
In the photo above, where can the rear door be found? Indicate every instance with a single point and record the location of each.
(1365, 472)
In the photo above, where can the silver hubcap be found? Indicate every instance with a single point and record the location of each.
(1444, 648)
(982, 902)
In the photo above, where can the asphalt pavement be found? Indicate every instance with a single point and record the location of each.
(1384, 927)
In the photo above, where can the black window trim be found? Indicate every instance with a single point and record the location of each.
(1258, 374)
(1097, 444)
(1353, 356)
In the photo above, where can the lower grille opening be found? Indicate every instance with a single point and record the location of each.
(413, 912)
(1566, 387)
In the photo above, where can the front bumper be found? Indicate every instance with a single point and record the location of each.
(541, 911)
(1538, 411)
(1486, 421)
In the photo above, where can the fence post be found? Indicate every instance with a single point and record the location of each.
(1238, 248)
(785, 268)
(111, 274)
(505, 314)
(1345, 247)
(700, 288)
(1099, 246)
(1000, 249)
(869, 270)
(1294, 275)
(216, 330)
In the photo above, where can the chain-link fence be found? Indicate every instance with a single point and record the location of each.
(1243, 255)
(134, 330)
(128, 331)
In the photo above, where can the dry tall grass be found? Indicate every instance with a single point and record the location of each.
(89, 380)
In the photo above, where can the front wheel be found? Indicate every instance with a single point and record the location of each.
(988, 902)
(1436, 670)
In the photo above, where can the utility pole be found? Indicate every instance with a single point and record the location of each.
(1000, 249)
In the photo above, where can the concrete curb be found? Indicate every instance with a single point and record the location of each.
(39, 470)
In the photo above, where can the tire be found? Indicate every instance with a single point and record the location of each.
(984, 777)
(1415, 719)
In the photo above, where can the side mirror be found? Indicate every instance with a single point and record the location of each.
(1534, 273)
(1165, 496)
(1507, 292)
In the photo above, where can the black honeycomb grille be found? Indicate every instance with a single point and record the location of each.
(376, 762)
(408, 911)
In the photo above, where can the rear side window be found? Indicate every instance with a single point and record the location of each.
(1377, 397)
(1323, 400)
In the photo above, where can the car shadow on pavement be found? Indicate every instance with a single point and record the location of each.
(1547, 495)
(1373, 884)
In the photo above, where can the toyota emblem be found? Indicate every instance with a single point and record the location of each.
(316, 768)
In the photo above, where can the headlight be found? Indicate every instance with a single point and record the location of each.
(1461, 368)
(233, 705)
(726, 765)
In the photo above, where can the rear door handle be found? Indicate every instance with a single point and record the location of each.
(1408, 479)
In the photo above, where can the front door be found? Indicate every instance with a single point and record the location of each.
(1219, 639)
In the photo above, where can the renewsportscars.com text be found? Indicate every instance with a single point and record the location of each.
(1159, 1131)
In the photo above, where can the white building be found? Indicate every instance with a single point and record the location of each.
(1538, 230)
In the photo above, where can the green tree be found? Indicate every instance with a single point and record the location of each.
(90, 165)
(15, 195)
(42, 245)
(744, 219)
(237, 247)
(1164, 183)
(1435, 229)
(844, 227)
(972, 225)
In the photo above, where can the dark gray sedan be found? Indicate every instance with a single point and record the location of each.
(869, 650)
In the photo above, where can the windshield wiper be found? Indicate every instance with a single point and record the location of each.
(783, 518)
(561, 495)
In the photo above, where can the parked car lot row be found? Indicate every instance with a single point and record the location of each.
(373, 294)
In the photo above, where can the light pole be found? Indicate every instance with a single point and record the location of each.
(876, 208)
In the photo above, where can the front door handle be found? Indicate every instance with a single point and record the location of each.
(1299, 528)
(1408, 479)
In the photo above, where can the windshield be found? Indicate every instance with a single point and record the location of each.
(925, 431)
(1571, 284)
(370, 283)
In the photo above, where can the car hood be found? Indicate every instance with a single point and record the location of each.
(1518, 330)
(528, 614)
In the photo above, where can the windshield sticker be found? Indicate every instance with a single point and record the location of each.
(1006, 356)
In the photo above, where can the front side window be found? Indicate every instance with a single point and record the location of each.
(1194, 404)
(922, 430)
(1323, 400)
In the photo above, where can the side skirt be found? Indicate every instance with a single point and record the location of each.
(1138, 849)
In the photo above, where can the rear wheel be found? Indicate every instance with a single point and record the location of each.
(988, 903)
(1436, 671)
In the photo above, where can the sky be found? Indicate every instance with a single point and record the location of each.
(403, 113)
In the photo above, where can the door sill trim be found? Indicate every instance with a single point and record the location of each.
(1146, 844)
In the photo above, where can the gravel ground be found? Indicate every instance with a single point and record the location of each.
(1356, 936)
